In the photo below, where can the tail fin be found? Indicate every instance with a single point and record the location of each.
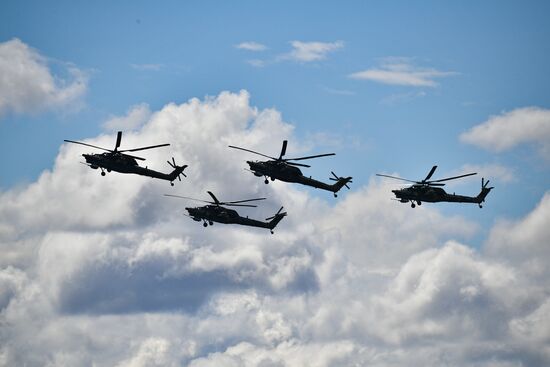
(484, 191)
(275, 219)
(178, 170)
(340, 182)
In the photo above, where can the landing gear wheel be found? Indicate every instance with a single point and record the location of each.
(102, 173)
(266, 181)
(335, 195)
(205, 224)
(171, 184)
(480, 206)
(271, 232)
(272, 179)
(419, 202)
(211, 223)
(413, 205)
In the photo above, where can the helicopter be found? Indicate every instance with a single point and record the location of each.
(215, 212)
(284, 170)
(427, 190)
(117, 160)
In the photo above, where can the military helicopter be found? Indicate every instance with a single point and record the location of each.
(427, 190)
(285, 170)
(117, 160)
(215, 212)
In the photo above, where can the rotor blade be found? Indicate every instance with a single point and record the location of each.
(298, 164)
(273, 216)
(243, 201)
(133, 156)
(309, 157)
(118, 139)
(397, 178)
(149, 147)
(188, 198)
(455, 177)
(216, 201)
(88, 145)
(283, 149)
(430, 174)
(251, 151)
(247, 205)
(434, 184)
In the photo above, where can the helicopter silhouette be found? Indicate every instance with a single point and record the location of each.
(118, 161)
(215, 212)
(427, 190)
(284, 170)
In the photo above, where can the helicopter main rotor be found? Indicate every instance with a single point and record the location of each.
(426, 181)
(281, 155)
(117, 145)
(219, 203)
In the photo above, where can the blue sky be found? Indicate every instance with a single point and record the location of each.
(391, 87)
(498, 61)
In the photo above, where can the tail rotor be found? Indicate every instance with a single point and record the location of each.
(337, 178)
(276, 214)
(175, 166)
(484, 192)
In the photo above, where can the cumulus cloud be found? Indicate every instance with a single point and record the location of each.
(28, 85)
(136, 116)
(400, 71)
(106, 271)
(311, 51)
(251, 46)
(524, 242)
(505, 131)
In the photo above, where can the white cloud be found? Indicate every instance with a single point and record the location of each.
(29, 86)
(446, 292)
(519, 126)
(107, 271)
(136, 116)
(524, 242)
(311, 51)
(285, 354)
(152, 352)
(400, 71)
(251, 46)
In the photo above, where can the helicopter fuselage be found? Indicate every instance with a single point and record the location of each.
(215, 213)
(424, 193)
(112, 162)
(125, 164)
(288, 173)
